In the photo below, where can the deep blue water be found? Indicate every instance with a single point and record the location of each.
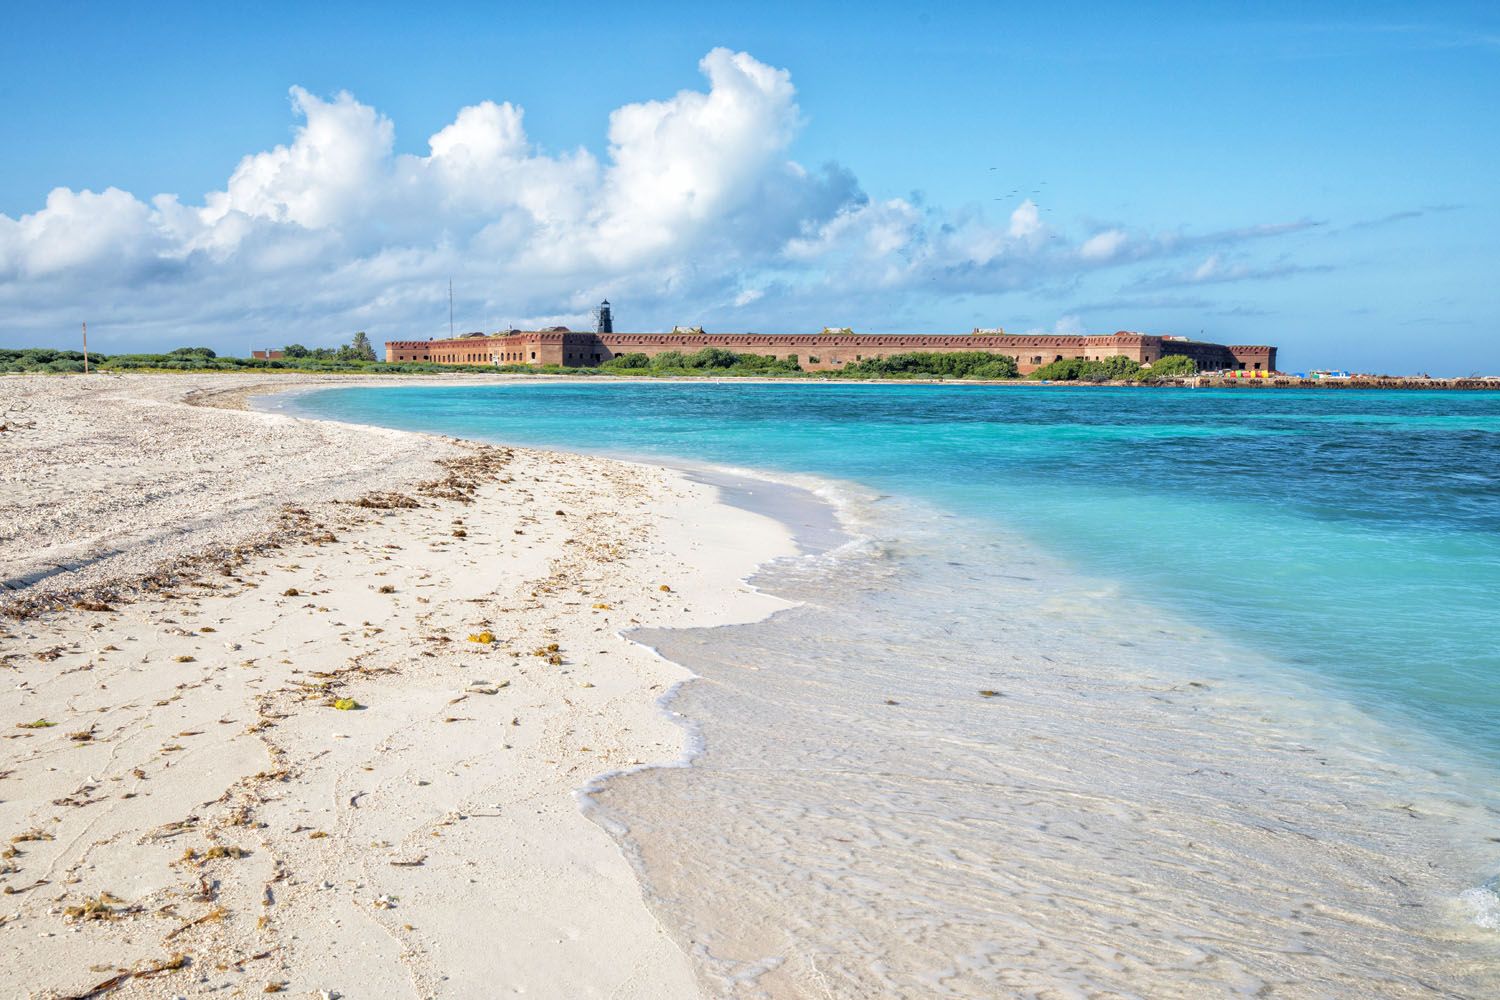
(1353, 537)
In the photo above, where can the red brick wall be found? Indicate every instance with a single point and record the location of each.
(832, 351)
(1257, 358)
(407, 350)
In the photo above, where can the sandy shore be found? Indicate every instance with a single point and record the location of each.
(192, 588)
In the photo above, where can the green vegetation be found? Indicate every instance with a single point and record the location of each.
(627, 361)
(1078, 370)
(194, 363)
(356, 356)
(359, 349)
(708, 361)
(1115, 369)
(362, 347)
(1171, 366)
(929, 364)
(43, 359)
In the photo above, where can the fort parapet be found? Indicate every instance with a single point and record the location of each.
(817, 352)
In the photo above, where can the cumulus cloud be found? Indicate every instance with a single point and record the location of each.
(78, 231)
(694, 204)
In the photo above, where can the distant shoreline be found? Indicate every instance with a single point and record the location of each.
(459, 374)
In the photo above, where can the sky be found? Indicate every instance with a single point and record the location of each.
(1322, 177)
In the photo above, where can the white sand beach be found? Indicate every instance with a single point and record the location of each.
(191, 589)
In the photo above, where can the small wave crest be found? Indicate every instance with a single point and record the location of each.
(1483, 903)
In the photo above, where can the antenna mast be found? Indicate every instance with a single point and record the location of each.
(450, 308)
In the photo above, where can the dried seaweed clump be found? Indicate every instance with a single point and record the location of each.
(216, 852)
(31, 835)
(385, 500)
(105, 906)
(465, 473)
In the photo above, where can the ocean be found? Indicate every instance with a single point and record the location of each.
(1098, 692)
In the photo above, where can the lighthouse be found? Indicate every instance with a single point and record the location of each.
(606, 324)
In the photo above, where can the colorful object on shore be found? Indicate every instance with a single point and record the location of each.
(483, 638)
(345, 704)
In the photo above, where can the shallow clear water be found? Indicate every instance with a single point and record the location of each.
(1245, 647)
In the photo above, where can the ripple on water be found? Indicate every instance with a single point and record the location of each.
(1138, 809)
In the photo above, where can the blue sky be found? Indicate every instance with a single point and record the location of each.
(1320, 177)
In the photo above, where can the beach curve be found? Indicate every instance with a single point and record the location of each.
(186, 802)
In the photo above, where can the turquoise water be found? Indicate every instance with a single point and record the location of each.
(1351, 537)
(1240, 649)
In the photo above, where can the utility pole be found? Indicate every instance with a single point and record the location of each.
(85, 348)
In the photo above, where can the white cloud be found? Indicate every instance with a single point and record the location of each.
(1217, 268)
(1103, 245)
(695, 206)
(699, 160)
(1026, 220)
(1210, 269)
(325, 177)
(77, 231)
